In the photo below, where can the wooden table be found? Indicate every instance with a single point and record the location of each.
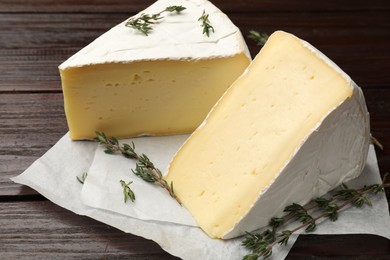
(36, 36)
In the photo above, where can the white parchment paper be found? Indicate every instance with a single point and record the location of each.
(54, 176)
(102, 188)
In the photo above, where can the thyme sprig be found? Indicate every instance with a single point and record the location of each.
(261, 244)
(145, 21)
(144, 169)
(205, 23)
(259, 38)
(81, 178)
(127, 191)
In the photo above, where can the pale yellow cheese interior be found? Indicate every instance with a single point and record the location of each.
(253, 131)
(158, 97)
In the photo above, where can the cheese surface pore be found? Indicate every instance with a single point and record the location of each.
(277, 136)
(127, 84)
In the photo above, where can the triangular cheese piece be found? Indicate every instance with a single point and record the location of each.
(128, 84)
(292, 127)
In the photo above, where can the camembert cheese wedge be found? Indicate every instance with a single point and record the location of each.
(292, 127)
(128, 84)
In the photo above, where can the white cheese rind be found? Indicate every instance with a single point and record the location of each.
(172, 76)
(335, 152)
(175, 37)
(290, 129)
(318, 164)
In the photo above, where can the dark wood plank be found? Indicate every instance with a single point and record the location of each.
(29, 125)
(34, 69)
(130, 6)
(36, 36)
(378, 104)
(43, 230)
(340, 247)
(33, 45)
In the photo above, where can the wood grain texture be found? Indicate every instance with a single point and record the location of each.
(36, 36)
(263, 6)
(33, 45)
(340, 247)
(47, 231)
(29, 125)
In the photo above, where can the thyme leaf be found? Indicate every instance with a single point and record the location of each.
(145, 21)
(205, 23)
(261, 244)
(81, 178)
(144, 168)
(127, 192)
(259, 38)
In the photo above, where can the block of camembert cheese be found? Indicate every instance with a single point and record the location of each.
(292, 127)
(126, 83)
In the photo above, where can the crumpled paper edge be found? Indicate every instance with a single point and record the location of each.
(172, 238)
(102, 188)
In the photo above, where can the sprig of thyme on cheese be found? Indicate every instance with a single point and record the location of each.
(205, 23)
(144, 169)
(145, 21)
(261, 244)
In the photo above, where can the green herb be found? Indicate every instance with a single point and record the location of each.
(259, 38)
(145, 21)
(207, 27)
(261, 244)
(144, 169)
(81, 178)
(127, 192)
(299, 213)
